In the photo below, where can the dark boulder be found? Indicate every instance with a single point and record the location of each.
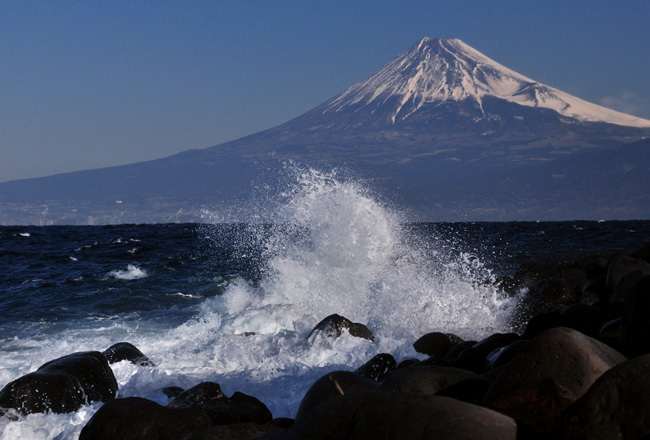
(429, 380)
(378, 367)
(236, 431)
(126, 351)
(502, 356)
(556, 369)
(408, 362)
(556, 281)
(625, 285)
(584, 318)
(475, 358)
(333, 326)
(457, 349)
(62, 385)
(172, 391)
(621, 265)
(436, 344)
(643, 253)
(399, 416)
(542, 322)
(615, 406)
(135, 418)
(222, 410)
(332, 385)
(634, 336)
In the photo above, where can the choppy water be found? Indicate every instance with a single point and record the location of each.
(187, 295)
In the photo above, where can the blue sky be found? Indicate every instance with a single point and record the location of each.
(87, 84)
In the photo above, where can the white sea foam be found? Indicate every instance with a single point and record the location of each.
(132, 272)
(334, 249)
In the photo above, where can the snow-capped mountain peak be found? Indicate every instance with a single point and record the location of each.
(439, 70)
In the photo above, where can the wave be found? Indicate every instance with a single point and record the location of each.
(132, 272)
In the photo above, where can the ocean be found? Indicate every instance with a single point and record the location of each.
(234, 303)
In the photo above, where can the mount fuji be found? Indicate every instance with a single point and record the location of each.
(447, 132)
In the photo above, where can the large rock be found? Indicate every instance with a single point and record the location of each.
(399, 416)
(475, 358)
(332, 385)
(634, 336)
(427, 380)
(222, 410)
(616, 406)
(556, 281)
(62, 385)
(378, 367)
(333, 326)
(135, 418)
(127, 351)
(236, 431)
(556, 369)
(436, 344)
(622, 265)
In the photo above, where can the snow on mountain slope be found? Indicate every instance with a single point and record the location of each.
(438, 70)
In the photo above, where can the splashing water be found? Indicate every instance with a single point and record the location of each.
(335, 249)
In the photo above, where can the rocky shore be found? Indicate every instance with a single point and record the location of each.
(577, 367)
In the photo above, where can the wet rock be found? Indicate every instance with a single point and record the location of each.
(502, 356)
(634, 336)
(62, 385)
(427, 380)
(135, 418)
(615, 406)
(622, 265)
(282, 422)
(557, 368)
(472, 359)
(625, 285)
(378, 367)
(127, 351)
(222, 410)
(407, 362)
(432, 360)
(643, 253)
(399, 416)
(539, 323)
(333, 326)
(557, 281)
(172, 392)
(581, 317)
(457, 349)
(236, 431)
(332, 385)
(475, 358)
(436, 343)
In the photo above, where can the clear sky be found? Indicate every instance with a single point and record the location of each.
(89, 84)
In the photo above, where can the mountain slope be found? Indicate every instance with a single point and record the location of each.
(433, 128)
(437, 70)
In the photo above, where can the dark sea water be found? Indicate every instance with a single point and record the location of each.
(189, 295)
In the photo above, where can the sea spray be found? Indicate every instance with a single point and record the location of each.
(333, 248)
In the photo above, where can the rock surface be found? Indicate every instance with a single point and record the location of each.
(135, 418)
(556, 369)
(127, 351)
(398, 416)
(333, 326)
(616, 406)
(62, 385)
